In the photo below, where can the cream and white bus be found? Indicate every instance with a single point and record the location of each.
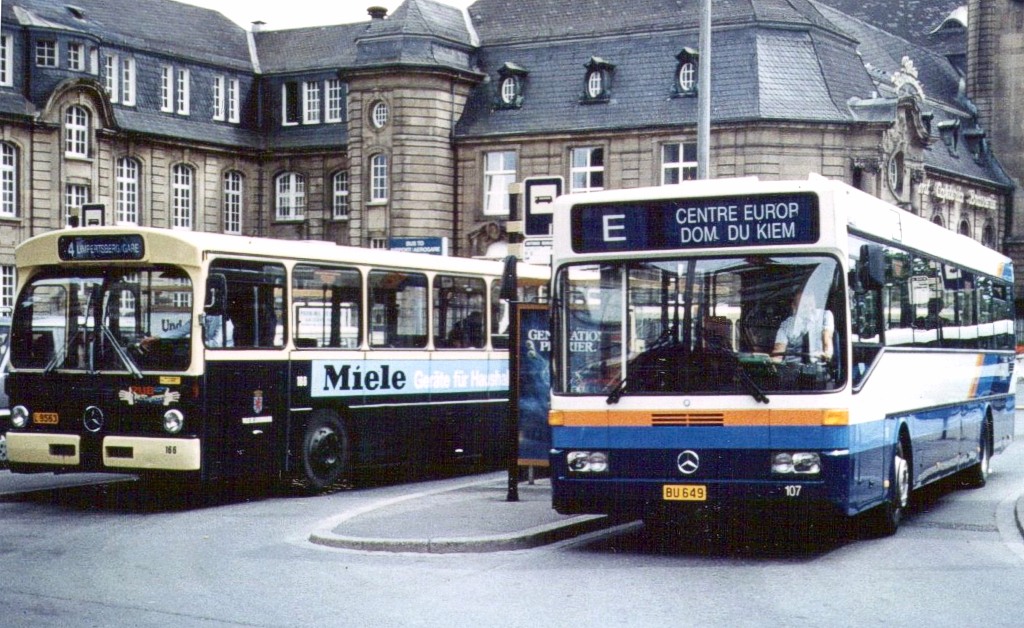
(208, 356)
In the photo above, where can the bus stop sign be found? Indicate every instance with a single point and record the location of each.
(540, 193)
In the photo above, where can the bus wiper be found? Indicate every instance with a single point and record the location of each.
(741, 373)
(126, 359)
(617, 392)
(61, 353)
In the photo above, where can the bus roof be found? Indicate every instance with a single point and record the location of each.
(189, 248)
(853, 209)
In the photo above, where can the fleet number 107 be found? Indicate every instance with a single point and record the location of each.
(793, 490)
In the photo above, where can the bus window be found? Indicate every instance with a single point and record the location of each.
(398, 309)
(254, 312)
(327, 302)
(459, 304)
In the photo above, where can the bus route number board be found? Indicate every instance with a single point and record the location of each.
(684, 492)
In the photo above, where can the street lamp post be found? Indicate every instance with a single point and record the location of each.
(704, 92)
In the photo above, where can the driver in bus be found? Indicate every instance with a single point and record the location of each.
(806, 334)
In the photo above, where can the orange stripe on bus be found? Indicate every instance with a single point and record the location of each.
(696, 418)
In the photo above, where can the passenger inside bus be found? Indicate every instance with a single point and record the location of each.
(469, 332)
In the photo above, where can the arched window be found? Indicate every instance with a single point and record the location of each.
(8, 180)
(686, 72)
(988, 236)
(126, 209)
(895, 174)
(290, 196)
(965, 228)
(183, 196)
(937, 219)
(76, 131)
(379, 178)
(233, 201)
(339, 203)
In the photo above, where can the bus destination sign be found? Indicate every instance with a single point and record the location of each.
(91, 248)
(729, 221)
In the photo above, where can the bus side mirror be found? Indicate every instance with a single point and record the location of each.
(216, 295)
(872, 266)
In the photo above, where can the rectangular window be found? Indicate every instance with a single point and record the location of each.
(76, 57)
(167, 89)
(233, 202)
(233, 104)
(75, 196)
(340, 204)
(110, 78)
(311, 103)
(8, 180)
(327, 304)
(379, 179)
(6, 58)
(459, 305)
(398, 309)
(181, 84)
(76, 131)
(678, 162)
(290, 103)
(127, 204)
(8, 281)
(182, 196)
(499, 172)
(335, 101)
(379, 243)
(46, 54)
(291, 196)
(218, 97)
(128, 82)
(254, 314)
(587, 170)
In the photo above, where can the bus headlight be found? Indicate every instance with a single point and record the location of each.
(19, 416)
(587, 461)
(174, 420)
(796, 463)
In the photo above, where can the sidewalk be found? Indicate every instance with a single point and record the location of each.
(473, 517)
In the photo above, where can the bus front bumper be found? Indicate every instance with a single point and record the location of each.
(29, 452)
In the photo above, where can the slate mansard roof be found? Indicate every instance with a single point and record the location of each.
(824, 61)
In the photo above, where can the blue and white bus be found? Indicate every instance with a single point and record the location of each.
(204, 356)
(738, 342)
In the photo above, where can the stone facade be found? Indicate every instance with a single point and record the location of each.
(818, 97)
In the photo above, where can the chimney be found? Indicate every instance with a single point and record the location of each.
(257, 26)
(377, 13)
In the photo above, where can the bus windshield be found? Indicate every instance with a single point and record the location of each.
(105, 319)
(751, 325)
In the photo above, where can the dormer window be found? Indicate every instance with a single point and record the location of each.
(511, 79)
(598, 80)
(686, 73)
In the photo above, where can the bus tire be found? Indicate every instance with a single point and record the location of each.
(324, 453)
(884, 520)
(976, 475)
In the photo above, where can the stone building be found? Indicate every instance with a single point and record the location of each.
(413, 124)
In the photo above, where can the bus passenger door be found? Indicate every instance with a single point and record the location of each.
(246, 368)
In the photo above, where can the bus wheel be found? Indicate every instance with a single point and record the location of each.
(885, 519)
(324, 453)
(977, 475)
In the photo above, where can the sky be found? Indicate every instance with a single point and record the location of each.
(281, 14)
